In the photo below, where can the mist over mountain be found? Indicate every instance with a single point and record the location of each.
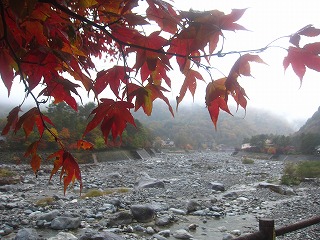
(193, 122)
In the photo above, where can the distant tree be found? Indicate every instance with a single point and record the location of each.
(259, 141)
(309, 142)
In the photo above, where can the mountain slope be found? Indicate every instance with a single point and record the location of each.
(312, 125)
(192, 123)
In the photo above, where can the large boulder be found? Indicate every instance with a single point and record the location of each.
(60, 223)
(120, 218)
(142, 213)
(49, 216)
(217, 186)
(145, 181)
(27, 234)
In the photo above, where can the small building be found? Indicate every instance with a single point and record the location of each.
(168, 143)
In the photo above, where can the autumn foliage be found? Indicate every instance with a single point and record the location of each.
(59, 46)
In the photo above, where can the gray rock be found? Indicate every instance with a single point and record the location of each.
(6, 229)
(164, 220)
(114, 175)
(217, 186)
(231, 195)
(158, 237)
(150, 230)
(178, 211)
(148, 182)
(63, 236)
(192, 206)
(227, 237)
(26, 234)
(236, 232)
(60, 223)
(49, 216)
(100, 236)
(165, 233)
(182, 234)
(142, 213)
(277, 188)
(120, 218)
(222, 228)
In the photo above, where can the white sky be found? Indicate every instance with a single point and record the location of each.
(271, 89)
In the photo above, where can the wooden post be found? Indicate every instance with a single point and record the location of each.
(266, 227)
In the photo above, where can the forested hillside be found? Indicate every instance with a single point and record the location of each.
(192, 125)
(312, 125)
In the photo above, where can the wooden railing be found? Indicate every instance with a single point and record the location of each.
(267, 230)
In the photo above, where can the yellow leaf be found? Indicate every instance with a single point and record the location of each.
(87, 3)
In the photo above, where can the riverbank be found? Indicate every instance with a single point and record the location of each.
(200, 195)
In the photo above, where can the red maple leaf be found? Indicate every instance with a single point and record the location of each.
(29, 119)
(112, 77)
(6, 69)
(70, 170)
(35, 157)
(112, 116)
(309, 31)
(241, 67)
(215, 99)
(163, 14)
(214, 109)
(301, 58)
(145, 95)
(61, 88)
(12, 120)
(190, 83)
(83, 144)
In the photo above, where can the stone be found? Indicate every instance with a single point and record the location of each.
(236, 232)
(217, 186)
(63, 236)
(49, 216)
(182, 234)
(227, 237)
(142, 213)
(178, 211)
(231, 195)
(165, 233)
(158, 237)
(164, 220)
(192, 206)
(121, 218)
(10, 180)
(60, 223)
(148, 182)
(100, 236)
(277, 188)
(150, 230)
(192, 227)
(26, 234)
(222, 228)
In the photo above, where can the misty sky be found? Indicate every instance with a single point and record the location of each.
(271, 89)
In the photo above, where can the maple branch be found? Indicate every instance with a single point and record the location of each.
(161, 51)
(20, 71)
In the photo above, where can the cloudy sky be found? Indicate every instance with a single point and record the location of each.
(271, 88)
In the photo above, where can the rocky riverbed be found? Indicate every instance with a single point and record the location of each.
(204, 195)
